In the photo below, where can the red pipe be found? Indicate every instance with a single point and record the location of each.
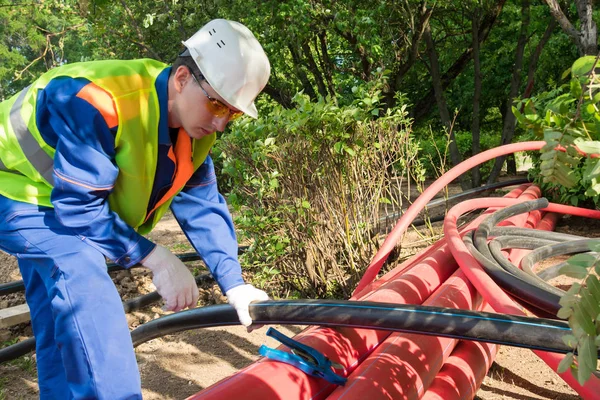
(465, 369)
(412, 212)
(430, 251)
(548, 223)
(404, 365)
(495, 296)
(461, 377)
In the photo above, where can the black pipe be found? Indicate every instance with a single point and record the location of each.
(458, 196)
(17, 350)
(510, 330)
(532, 333)
(153, 297)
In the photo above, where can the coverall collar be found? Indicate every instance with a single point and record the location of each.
(162, 88)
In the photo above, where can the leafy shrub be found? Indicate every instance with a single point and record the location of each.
(308, 187)
(568, 120)
(567, 117)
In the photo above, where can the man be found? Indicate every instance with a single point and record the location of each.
(91, 156)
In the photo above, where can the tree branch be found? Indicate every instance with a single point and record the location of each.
(139, 32)
(563, 21)
(423, 106)
(314, 69)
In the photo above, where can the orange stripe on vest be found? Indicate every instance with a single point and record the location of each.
(184, 168)
(103, 102)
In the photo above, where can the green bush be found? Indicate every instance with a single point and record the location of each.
(309, 184)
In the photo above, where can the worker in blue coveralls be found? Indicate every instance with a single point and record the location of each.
(91, 156)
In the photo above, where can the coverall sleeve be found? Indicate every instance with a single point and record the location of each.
(204, 217)
(85, 172)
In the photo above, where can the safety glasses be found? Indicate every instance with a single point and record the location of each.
(216, 107)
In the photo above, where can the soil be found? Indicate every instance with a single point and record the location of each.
(177, 366)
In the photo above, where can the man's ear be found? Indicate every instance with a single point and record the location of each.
(181, 77)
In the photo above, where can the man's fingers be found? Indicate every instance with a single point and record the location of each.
(261, 296)
(244, 316)
(188, 298)
(195, 296)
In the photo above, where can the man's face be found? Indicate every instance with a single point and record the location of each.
(199, 109)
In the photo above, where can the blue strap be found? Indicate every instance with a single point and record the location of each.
(303, 357)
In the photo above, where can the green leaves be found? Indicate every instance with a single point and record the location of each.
(581, 306)
(588, 146)
(568, 120)
(565, 363)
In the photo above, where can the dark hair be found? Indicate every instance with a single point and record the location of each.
(186, 60)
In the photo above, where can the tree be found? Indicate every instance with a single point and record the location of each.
(508, 129)
(475, 126)
(586, 38)
(35, 37)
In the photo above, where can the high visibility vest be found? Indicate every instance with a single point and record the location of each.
(26, 160)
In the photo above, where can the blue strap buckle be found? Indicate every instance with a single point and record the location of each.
(303, 357)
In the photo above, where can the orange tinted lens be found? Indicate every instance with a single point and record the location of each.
(217, 108)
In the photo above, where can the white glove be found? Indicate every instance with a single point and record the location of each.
(173, 281)
(240, 298)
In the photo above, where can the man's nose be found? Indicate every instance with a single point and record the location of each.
(220, 122)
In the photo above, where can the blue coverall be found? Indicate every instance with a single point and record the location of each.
(83, 345)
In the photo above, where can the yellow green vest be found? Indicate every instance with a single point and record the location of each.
(26, 161)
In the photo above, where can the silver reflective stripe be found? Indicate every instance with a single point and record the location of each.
(40, 160)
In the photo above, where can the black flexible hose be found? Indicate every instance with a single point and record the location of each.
(533, 333)
(527, 262)
(506, 242)
(524, 286)
(20, 349)
(535, 233)
(458, 196)
(516, 282)
(509, 283)
(572, 247)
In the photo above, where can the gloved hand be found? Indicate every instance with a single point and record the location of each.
(173, 281)
(240, 298)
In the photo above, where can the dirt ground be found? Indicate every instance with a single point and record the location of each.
(177, 366)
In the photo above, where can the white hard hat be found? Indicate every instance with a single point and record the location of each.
(232, 61)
